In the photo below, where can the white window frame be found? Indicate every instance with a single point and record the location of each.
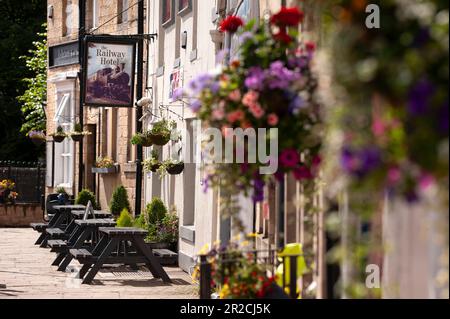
(95, 13)
(64, 152)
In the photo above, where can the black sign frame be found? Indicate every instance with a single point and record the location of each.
(51, 56)
(113, 40)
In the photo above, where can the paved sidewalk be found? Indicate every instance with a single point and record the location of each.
(26, 271)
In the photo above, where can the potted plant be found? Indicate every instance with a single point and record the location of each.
(155, 213)
(78, 133)
(142, 139)
(84, 197)
(153, 163)
(7, 194)
(59, 136)
(161, 132)
(105, 165)
(37, 137)
(174, 167)
(119, 201)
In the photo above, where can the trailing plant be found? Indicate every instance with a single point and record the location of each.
(272, 86)
(161, 132)
(153, 163)
(119, 201)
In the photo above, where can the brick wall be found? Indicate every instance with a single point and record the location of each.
(20, 215)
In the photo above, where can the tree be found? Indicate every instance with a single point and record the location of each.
(19, 26)
(35, 97)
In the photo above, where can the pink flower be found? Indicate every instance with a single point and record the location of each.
(235, 96)
(218, 114)
(289, 158)
(235, 116)
(303, 173)
(394, 175)
(250, 98)
(257, 111)
(273, 119)
(316, 161)
(426, 181)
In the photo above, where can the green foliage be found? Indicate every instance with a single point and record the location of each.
(119, 201)
(125, 219)
(84, 197)
(34, 98)
(61, 190)
(140, 222)
(19, 26)
(78, 128)
(156, 211)
(165, 230)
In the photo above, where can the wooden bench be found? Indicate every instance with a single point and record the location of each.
(166, 257)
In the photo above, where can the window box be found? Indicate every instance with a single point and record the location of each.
(109, 170)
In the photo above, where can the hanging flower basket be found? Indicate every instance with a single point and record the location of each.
(175, 169)
(59, 138)
(37, 137)
(142, 139)
(159, 139)
(77, 137)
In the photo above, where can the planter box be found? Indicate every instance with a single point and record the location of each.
(111, 170)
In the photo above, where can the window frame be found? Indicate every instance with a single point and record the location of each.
(171, 21)
(186, 10)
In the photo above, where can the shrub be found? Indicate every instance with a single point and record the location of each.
(156, 211)
(84, 197)
(140, 222)
(119, 201)
(125, 219)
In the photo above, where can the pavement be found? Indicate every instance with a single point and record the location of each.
(26, 271)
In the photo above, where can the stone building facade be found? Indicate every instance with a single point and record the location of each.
(111, 128)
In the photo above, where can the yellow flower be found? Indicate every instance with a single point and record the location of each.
(252, 235)
(204, 250)
(225, 292)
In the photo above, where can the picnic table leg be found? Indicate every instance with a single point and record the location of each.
(99, 263)
(40, 239)
(154, 265)
(101, 245)
(78, 244)
(58, 259)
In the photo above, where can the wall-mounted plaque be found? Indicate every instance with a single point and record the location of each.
(63, 54)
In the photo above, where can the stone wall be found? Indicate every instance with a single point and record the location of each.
(20, 215)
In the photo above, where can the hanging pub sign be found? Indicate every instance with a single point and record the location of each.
(109, 70)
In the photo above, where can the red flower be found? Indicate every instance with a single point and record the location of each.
(310, 46)
(283, 37)
(287, 17)
(303, 173)
(231, 24)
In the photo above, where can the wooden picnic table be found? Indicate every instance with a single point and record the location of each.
(84, 235)
(108, 252)
(61, 220)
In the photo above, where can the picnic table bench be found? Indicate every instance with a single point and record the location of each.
(83, 234)
(59, 220)
(108, 252)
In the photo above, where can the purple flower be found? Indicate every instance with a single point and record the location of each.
(195, 106)
(444, 118)
(362, 162)
(178, 94)
(203, 82)
(245, 37)
(419, 97)
(258, 190)
(422, 38)
(296, 104)
(255, 79)
(281, 77)
(298, 62)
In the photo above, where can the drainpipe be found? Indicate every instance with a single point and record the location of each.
(81, 33)
(139, 95)
(225, 223)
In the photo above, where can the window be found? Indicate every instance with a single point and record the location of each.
(184, 6)
(167, 16)
(64, 151)
(67, 17)
(122, 5)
